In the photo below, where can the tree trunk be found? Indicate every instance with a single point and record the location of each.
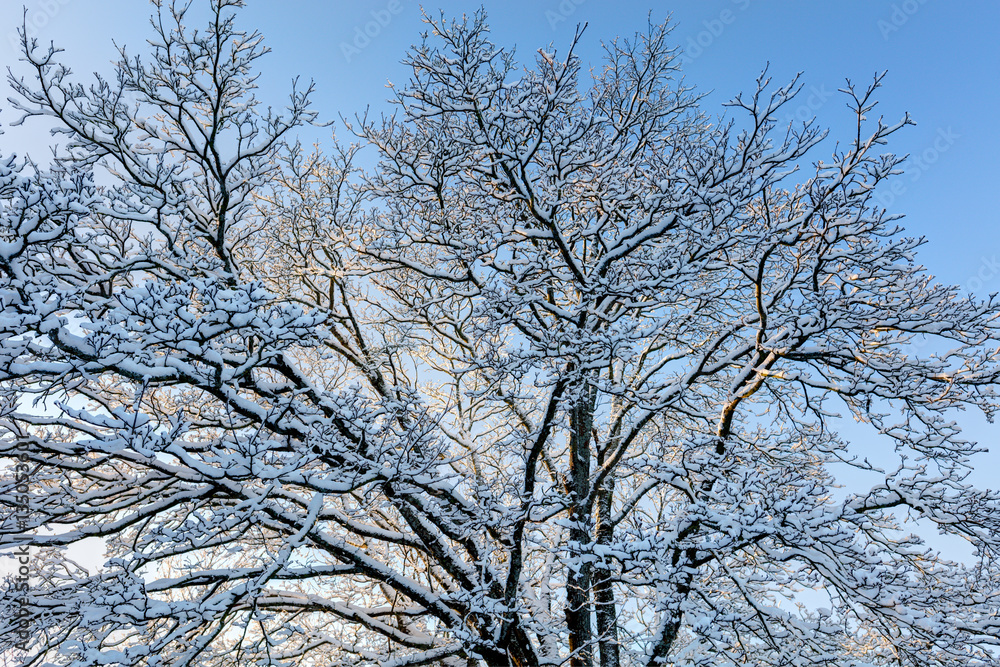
(578, 579)
(604, 593)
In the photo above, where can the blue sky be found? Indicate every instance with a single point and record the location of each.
(943, 63)
(942, 58)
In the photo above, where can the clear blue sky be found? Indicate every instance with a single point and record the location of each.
(943, 60)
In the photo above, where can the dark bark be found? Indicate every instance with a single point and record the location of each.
(579, 615)
(606, 610)
(671, 617)
(684, 559)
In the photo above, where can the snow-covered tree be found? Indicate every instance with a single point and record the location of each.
(558, 381)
